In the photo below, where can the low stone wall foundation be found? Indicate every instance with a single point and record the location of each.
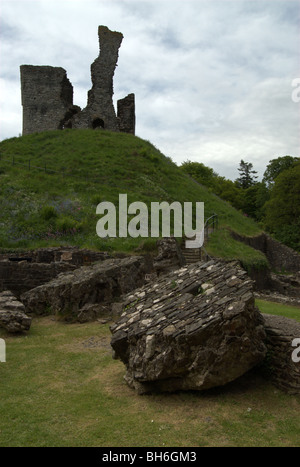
(279, 366)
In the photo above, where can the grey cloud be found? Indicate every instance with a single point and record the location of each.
(9, 32)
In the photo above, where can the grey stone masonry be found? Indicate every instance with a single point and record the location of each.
(47, 98)
(20, 272)
(100, 112)
(20, 276)
(126, 114)
(72, 294)
(66, 254)
(47, 95)
(192, 329)
(280, 256)
(282, 361)
(12, 314)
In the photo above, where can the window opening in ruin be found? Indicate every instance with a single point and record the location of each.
(98, 123)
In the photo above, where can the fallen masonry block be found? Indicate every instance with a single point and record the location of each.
(72, 294)
(21, 276)
(193, 329)
(12, 314)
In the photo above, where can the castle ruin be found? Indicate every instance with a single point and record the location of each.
(47, 95)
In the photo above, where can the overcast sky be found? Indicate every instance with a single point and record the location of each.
(212, 78)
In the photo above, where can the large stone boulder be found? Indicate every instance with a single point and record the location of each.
(12, 314)
(71, 295)
(195, 328)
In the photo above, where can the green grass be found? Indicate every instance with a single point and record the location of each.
(61, 387)
(278, 309)
(43, 208)
(221, 244)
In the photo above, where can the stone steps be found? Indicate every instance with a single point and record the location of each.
(193, 255)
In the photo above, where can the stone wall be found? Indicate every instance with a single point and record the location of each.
(280, 257)
(72, 255)
(18, 277)
(262, 278)
(126, 114)
(279, 365)
(47, 98)
(26, 270)
(100, 112)
(47, 95)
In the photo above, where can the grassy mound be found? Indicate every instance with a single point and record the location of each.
(51, 183)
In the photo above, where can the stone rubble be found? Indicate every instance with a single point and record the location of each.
(169, 256)
(87, 293)
(12, 314)
(177, 326)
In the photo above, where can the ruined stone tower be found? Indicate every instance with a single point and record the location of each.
(47, 98)
(47, 95)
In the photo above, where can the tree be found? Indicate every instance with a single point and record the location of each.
(262, 196)
(250, 200)
(228, 190)
(224, 188)
(283, 208)
(276, 166)
(200, 172)
(247, 176)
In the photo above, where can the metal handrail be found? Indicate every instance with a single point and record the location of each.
(212, 220)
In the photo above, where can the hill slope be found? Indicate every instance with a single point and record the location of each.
(51, 183)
